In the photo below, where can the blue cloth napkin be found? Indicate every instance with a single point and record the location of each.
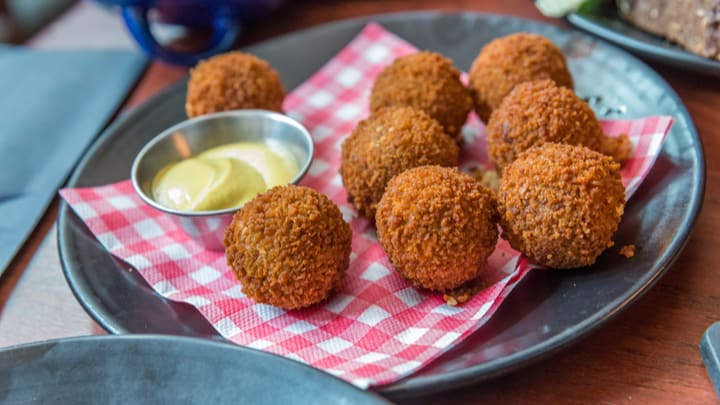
(52, 105)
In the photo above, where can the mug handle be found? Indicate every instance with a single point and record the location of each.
(224, 32)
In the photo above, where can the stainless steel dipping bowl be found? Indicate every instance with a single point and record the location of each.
(197, 135)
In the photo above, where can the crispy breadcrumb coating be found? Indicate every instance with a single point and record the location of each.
(620, 148)
(488, 178)
(289, 247)
(387, 143)
(536, 112)
(560, 205)
(437, 226)
(508, 61)
(232, 81)
(426, 81)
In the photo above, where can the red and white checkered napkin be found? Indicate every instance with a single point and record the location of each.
(376, 329)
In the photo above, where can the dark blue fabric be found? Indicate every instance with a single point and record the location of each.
(52, 105)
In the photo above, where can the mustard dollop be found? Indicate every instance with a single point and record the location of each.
(223, 177)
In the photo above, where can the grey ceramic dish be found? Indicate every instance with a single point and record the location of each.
(163, 370)
(545, 313)
(606, 24)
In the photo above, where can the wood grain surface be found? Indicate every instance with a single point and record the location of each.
(648, 354)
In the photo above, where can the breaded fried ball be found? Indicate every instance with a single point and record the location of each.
(387, 143)
(506, 62)
(620, 148)
(426, 81)
(437, 226)
(561, 204)
(233, 81)
(289, 247)
(536, 112)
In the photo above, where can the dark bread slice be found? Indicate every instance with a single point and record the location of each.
(693, 24)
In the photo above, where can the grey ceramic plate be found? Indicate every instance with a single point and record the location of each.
(150, 369)
(606, 24)
(546, 312)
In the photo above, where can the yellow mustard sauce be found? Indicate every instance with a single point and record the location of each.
(223, 177)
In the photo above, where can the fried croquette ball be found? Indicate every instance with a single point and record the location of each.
(506, 62)
(233, 81)
(387, 143)
(426, 81)
(537, 112)
(620, 148)
(289, 247)
(560, 205)
(437, 226)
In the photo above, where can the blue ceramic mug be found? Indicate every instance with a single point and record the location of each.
(222, 17)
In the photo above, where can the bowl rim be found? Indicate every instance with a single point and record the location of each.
(244, 113)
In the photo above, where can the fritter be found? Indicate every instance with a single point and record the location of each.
(387, 143)
(289, 247)
(426, 81)
(233, 81)
(620, 148)
(560, 205)
(536, 112)
(438, 226)
(508, 61)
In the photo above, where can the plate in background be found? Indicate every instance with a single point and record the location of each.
(140, 369)
(546, 312)
(608, 25)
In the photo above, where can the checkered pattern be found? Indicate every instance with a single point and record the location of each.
(376, 329)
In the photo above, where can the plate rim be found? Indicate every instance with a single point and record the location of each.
(413, 386)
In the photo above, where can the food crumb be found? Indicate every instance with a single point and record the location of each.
(488, 178)
(464, 293)
(628, 251)
(450, 300)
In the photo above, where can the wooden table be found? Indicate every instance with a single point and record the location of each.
(648, 354)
